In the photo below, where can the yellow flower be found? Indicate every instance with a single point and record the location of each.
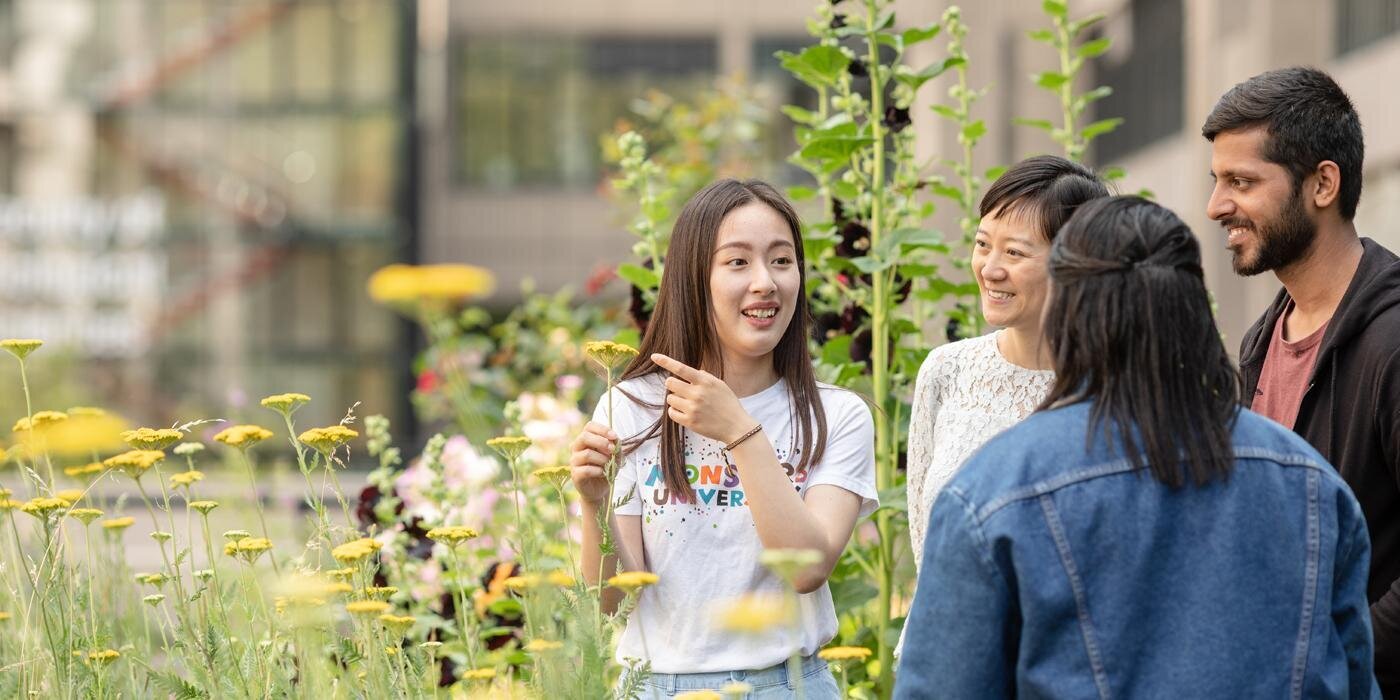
(86, 412)
(391, 651)
(186, 449)
(154, 599)
(42, 419)
(162, 536)
(632, 580)
(520, 583)
(478, 674)
(4, 615)
(367, 607)
(286, 404)
(609, 354)
(327, 440)
(186, 478)
(355, 550)
(134, 463)
(6, 493)
(9, 504)
(157, 579)
(408, 284)
(70, 495)
(42, 507)
(555, 475)
(235, 535)
(340, 574)
(85, 469)
(397, 624)
(20, 347)
(151, 438)
(700, 695)
(561, 579)
(788, 563)
(381, 591)
(509, 446)
(452, 536)
(84, 433)
(756, 613)
(248, 548)
(736, 689)
(203, 507)
(337, 587)
(536, 646)
(86, 515)
(118, 524)
(844, 653)
(104, 657)
(242, 436)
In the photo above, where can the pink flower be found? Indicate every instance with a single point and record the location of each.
(464, 468)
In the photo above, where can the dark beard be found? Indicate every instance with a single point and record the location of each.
(1282, 241)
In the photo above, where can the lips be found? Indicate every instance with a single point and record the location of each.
(760, 313)
(998, 295)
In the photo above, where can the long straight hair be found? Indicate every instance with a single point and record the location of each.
(1130, 329)
(683, 326)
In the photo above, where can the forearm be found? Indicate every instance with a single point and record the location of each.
(592, 556)
(779, 514)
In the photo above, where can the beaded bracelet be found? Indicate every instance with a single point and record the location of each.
(752, 432)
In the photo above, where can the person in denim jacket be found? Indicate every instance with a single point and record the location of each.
(1141, 535)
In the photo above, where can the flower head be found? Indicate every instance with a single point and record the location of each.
(844, 653)
(398, 624)
(151, 438)
(327, 440)
(43, 507)
(70, 495)
(135, 462)
(203, 507)
(85, 469)
(355, 550)
(700, 695)
(453, 535)
(104, 657)
(478, 674)
(20, 347)
(756, 613)
(381, 591)
(236, 535)
(248, 548)
(411, 284)
(552, 475)
(242, 436)
(42, 419)
(788, 563)
(85, 515)
(736, 689)
(521, 583)
(367, 607)
(154, 599)
(118, 524)
(340, 574)
(186, 449)
(538, 645)
(609, 354)
(286, 404)
(560, 579)
(633, 580)
(509, 446)
(186, 479)
(162, 536)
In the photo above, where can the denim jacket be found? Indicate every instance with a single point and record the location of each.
(1052, 570)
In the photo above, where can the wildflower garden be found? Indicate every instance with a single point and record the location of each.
(453, 570)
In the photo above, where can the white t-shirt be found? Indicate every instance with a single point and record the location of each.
(706, 553)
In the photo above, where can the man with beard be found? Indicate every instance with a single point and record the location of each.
(1324, 360)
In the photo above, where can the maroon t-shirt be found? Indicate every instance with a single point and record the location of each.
(1287, 368)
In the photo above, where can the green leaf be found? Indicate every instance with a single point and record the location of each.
(798, 193)
(885, 20)
(1092, 96)
(994, 172)
(870, 265)
(1112, 173)
(1146, 193)
(837, 350)
(656, 210)
(799, 115)
(1100, 127)
(843, 190)
(1076, 27)
(1042, 124)
(945, 111)
(939, 288)
(948, 191)
(1093, 48)
(852, 594)
(973, 131)
(835, 150)
(1055, 8)
(920, 34)
(1042, 35)
(1050, 80)
(639, 276)
(930, 72)
(818, 65)
(628, 336)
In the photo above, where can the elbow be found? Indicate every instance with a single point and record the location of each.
(811, 581)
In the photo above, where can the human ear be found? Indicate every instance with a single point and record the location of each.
(1325, 184)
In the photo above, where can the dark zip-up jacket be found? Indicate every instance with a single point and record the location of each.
(1350, 413)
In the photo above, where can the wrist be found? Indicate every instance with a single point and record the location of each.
(743, 434)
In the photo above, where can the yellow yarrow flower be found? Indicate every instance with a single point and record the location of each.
(700, 695)
(632, 580)
(509, 446)
(340, 574)
(151, 438)
(381, 591)
(355, 550)
(609, 354)
(84, 433)
(118, 524)
(242, 436)
(86, 412)
(104, 657)
(756, 613)
(42, 507)
(134, 463)
(40, 420)
(186, 449)
(235, 535)
(337, 587)
(736, 689)
(844, 653)
(520, 583)
(248, 548)
(186, 478)
(478, 674)
(327, 440)
(203, 507)
(453, 535)
(70, 495)
(9, 504)
(367, 607)
(286, 404)
(85, 515)
(85, 469)
(540, 645)
(20, 347)
(555, 475)
(561, 579)
(397, 623)
(4, 615)
(411, 284)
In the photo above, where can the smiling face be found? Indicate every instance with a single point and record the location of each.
(1009, 259)
(754, 282)
(1255, 201)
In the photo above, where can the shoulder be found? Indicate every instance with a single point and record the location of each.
(842, 404)
(946, 359)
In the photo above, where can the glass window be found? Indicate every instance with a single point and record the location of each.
(1149, 83)
(529, 109)
(1361, 22)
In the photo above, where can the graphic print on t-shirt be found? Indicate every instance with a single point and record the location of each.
(715, 481)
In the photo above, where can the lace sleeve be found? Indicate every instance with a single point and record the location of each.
(922, 417)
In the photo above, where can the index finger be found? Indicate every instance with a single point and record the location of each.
(676, 367)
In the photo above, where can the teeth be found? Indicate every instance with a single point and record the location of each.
(1002, 296)
(761, 313)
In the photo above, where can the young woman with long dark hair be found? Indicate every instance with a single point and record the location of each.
(1141, 534)
(730, 447)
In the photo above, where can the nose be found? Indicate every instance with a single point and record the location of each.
(1220, 206)
(762, 282)
(993, 269)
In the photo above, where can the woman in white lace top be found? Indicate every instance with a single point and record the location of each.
(972, 389)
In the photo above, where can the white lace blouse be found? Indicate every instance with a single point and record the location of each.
(966, 393)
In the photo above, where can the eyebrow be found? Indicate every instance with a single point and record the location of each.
(747, 246)
(1013, 239)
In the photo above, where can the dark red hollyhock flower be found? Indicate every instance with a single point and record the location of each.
(637, 304)
(852, 317)
(860, 347)
(449, 672)
(825, 326)
(838, 21)
(428, 381)
(855, 240)
(896, 118)
(838, 212)
(365, 504)
(858, 68)
(953, 332)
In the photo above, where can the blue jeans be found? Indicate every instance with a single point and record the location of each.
(772, 683)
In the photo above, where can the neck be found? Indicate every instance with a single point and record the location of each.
(1318, 281)
(746, 376)
(1024, 347)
